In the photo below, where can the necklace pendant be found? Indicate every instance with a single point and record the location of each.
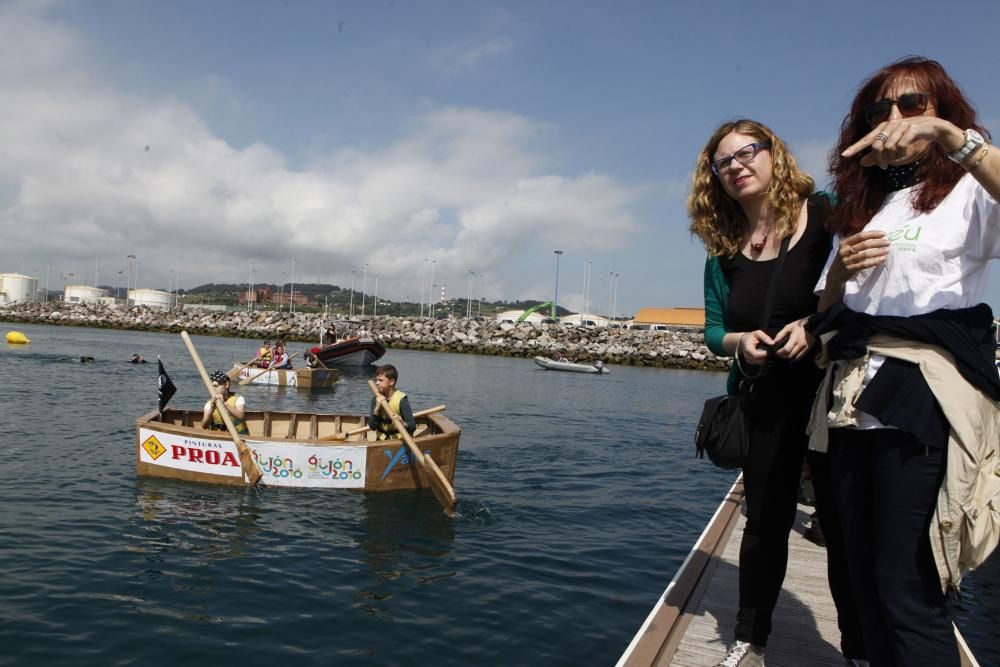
(759, 245)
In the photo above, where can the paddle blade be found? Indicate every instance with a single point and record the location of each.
(442, 490)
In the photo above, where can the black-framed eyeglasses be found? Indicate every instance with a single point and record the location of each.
(909, 104)
(744, 155)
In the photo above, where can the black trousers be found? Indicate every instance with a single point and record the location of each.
(852, 642)
(885, 486)
(778, 415)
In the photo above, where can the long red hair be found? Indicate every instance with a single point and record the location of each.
(861, 190)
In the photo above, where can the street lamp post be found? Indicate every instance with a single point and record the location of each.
(375, 310)
(353, 273)
(48, 267)
(118, 286)
(600, 280)
(66, 277)
(430, 295)
(250, 290)
(611, 292)
(614, 296)
(555, 298)
(291, 293)
(423, 281)
(364, 287)
(128, 279)
(479, 309)
(468, 297)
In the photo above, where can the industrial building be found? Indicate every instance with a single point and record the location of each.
(78, 293)
(151, 297)
(17, 288)
(677, 317)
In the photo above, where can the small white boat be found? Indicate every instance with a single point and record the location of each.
(303, 378)
(571, 367)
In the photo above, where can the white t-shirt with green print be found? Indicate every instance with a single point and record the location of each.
(937, 260)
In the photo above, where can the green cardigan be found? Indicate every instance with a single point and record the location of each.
(717, 314)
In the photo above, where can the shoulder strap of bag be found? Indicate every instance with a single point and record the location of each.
(772, 289)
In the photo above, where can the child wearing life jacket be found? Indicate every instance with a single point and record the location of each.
(280, 358)
(264, 355)
(234, 404)
(385, 381)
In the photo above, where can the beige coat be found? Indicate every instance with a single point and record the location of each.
(965, 527)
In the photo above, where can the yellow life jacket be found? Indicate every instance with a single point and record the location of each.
(219, 424)
(265, 357)
(386, 429)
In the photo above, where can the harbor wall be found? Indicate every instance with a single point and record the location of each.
(681, 347)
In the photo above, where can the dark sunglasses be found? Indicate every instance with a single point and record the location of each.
(909, 104)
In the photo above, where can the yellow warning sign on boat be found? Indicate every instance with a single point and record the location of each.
(153, 447)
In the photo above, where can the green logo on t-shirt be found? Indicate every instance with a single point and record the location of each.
(906, 232)
(905, 238)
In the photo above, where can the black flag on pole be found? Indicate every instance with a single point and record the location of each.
(166, 388)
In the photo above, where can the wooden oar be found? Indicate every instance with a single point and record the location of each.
(363, 429)
(249, 466)
(236, 369)
(439, 483)
(249, 380)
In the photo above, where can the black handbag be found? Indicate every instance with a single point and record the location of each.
(723, 432)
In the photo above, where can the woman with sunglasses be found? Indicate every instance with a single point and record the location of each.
(747, 196)
(912, 403)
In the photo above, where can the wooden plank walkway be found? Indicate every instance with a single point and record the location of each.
(692, 623)
(804, 623)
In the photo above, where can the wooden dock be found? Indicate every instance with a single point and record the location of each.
(692, 623)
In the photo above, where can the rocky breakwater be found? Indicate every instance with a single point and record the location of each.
(676, 348)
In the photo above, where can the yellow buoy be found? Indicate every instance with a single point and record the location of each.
(17, 338)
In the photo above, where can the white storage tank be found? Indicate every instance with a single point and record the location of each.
(151, 297)
(18, 288)
(78, 293)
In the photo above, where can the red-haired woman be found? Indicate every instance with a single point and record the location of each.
(911, 402)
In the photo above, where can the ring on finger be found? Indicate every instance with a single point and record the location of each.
(882, 136)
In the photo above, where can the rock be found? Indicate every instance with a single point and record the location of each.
(681, 348)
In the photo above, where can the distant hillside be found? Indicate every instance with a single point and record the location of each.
(338, 297)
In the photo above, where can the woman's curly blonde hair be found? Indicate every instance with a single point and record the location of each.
(718, 219)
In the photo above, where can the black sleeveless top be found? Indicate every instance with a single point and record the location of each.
(749, 280)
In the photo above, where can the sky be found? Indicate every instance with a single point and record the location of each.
(315, 141)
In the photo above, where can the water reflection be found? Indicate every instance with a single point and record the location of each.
(407, 541)
(213, 522)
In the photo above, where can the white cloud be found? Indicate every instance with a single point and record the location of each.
(95, 172)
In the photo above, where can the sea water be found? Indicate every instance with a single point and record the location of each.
(579, 497)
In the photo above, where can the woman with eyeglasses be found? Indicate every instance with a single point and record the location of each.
(910, 405)
(747, 196)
